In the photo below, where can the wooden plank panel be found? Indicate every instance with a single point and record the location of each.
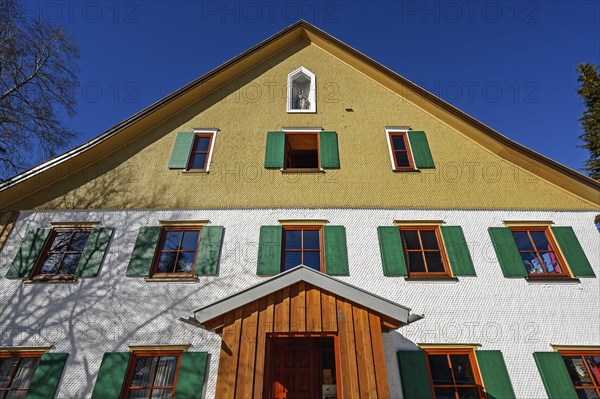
(266, 310)
(328, 312)
(298, 307)
(313, 308)
(228, 357)
(282, 311)
(348, 368)
(7, 221)
(383, 391)
(364, 353)
(245, 372)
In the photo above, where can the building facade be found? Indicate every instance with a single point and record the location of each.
(300, 222)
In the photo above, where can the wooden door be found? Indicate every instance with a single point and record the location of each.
(295, 368)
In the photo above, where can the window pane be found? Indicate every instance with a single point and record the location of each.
(7, 367)
(402, 159)
(165, 374)
(440, 370)
(172, 239)
(311, 239)
(463, 374)
(25, 373)
(50, 264)
(550, 262)
(60, 241)
(16, 395)
(577, 371)
(162, 394)
(410, 239)
(398, 142)
(69, 264)
(429, 239)
(143, 371)
(138, 394)
(522, 240)
(293, 239)
(540, 240)
(313, 259)
(468, 393)
(434, 262)
(292, 259)
(185, 262)
(415, 262)
(586, 393)
(166, 263)
(444, 393)
(594, 365)
(78, 241)
(198, 161)
(190, 240)
(202, 144)
(531, 262)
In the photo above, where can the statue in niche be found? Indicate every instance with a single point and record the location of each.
(302, 102)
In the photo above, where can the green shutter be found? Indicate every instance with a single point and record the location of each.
(336, 251)
(269, 250)
(143, 252)
(457, 251)
(47, 376)
(181, 150)
(495, 375)
(191, 377)
(274, 152)
(93, 252)
(507, 252)
(420, 150)
(555, 375)
(207, 261)
(414, 374)
(330, 158)
(111, 375)
(28, 254)
(572, 252)
(392, 253)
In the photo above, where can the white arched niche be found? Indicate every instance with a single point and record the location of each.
(301, 91)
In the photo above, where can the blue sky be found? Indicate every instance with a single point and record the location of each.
(510, 64)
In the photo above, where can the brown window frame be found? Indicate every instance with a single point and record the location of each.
(19, 355)
(211, 136)
(302, 250)
(36, 275)
(584, 353)
(555, 251)
(286, 151)
(411, 162)
(150, 353)
(427, 274)
(159, 251)
(456, 351)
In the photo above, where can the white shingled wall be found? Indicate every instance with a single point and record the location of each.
(111, 312)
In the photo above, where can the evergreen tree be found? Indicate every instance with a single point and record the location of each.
(589, 90)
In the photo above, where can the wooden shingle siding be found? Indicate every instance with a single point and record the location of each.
(7, 221)
(304, 309)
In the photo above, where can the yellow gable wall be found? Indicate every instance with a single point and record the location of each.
(466, 174)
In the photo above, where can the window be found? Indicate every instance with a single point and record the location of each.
(16, 373)
(301, 91)
(200, 152)
(177, 251)
(538, 251)
(423, 253)
(152, 374)
(584, 370)
(61, 254)
(301, 150)
(454, 374)
(302, 246)
(401, 150)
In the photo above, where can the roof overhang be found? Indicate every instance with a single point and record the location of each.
(300, 273)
